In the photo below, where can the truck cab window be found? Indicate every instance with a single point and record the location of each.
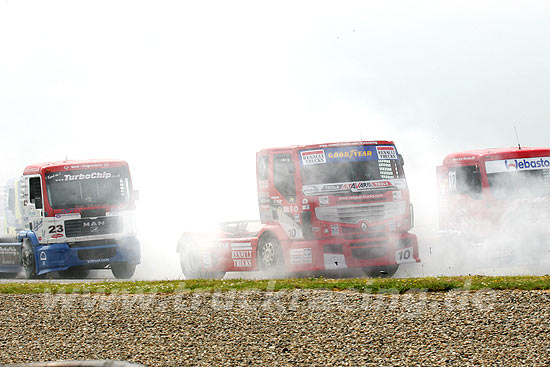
(35, 192)
(283, 174)
(263, 164)
(465, 180)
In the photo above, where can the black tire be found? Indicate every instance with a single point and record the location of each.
(123, 270)
(270, 256)
(74, 273)
(28, 263)
(191, 266)
(385, 271)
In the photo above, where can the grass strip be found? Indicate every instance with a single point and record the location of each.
(371, 285)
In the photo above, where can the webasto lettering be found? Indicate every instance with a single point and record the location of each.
(88, 176)
(525, 164)
(351, 154)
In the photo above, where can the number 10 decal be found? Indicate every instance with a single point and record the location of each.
(404, 256)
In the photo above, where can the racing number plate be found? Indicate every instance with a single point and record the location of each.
(405, 255)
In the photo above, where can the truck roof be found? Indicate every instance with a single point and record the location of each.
(494, 154)
(72, 164)
(330, 145)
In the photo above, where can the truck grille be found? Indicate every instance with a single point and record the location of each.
(93, 226)
(354, 214)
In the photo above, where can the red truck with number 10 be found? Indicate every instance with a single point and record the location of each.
(322, 207)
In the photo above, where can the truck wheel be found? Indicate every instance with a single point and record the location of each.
(123, 270)
(74, 273)
(28, 263)
(270, 256)
(384, 271)
(191, 269)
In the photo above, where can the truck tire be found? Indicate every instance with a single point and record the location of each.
(74, 273)
(28, 263)
(384, 271)
(123, 270)
(191, 269)
(270, 256)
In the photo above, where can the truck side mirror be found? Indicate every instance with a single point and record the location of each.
(401, 160)
(136, 195)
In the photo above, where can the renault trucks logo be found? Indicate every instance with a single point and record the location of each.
(529, 163)
(313, 157)
(386, 152)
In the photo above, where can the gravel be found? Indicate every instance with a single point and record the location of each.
(292, 328)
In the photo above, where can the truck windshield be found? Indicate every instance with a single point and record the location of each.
(520, 184)
(350, 164)
(93, 187)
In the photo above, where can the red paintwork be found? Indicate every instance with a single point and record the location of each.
(379, 235)
(480, 216)
(73, 165)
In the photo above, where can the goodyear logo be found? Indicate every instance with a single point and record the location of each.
(350, 154)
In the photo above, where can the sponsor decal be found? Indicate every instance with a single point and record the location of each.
(87, 176)
(396, 195)
(334, 229)
(520, 164)
(313, 157)
(43, 256)
(300, 256)
(527, 164)
(94, 261)
(386, 152)
(356, 186)
(241, 254)
(354, 153)
(304, 201)
(323, 200)
(58, 235)
(361, 197)
(8, 255)
(305, 207)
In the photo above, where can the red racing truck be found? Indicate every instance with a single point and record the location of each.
(322, 207)
(485, 192)
(70, 217)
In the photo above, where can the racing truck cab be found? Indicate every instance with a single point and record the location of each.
(322, 207)
(488, 190)
(71, 216)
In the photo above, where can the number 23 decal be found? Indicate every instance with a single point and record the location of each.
(55, 229)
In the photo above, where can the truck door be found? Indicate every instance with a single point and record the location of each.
(32, 201)
(284, 171)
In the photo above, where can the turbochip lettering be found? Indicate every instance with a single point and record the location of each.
(88, 176)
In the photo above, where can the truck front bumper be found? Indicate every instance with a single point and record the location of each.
(61, 256)
(334, 254)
